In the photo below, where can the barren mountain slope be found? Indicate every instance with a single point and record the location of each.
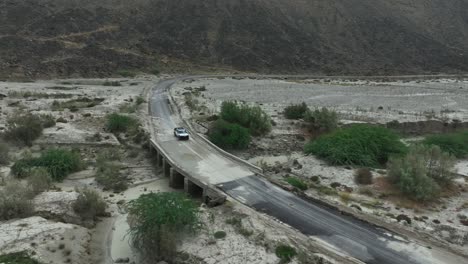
(89, 38)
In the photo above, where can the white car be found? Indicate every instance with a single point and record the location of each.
(181, 133)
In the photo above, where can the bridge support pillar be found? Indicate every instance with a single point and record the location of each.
(192, 189)
(159, 159)
(176, 180)
(166, 167)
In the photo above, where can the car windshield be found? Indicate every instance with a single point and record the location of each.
(181, 130)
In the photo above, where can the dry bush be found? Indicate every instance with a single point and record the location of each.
(4, 153)
(15, 201)
(39, 180)
(363, 176)
(89, 205)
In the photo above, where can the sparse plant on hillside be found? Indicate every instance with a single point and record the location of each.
(39, 180)
(422, 172)
(89, 205)
(18, 258)
(109, 176)
(15, 201)
(363, 145)
(23, 128)
(321, 119)
(159, 220)
(296, 111)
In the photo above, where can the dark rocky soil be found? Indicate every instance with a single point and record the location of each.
(50, 38)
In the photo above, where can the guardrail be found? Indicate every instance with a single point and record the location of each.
(226, 154)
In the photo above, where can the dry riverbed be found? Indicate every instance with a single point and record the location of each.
(433, 102)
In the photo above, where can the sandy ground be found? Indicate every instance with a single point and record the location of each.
(355, 100)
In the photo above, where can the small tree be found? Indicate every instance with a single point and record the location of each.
(321, 119)
(109, 176)
(422, 172)
(296, 111)
(159, 220)
(117, 123)
(15, 201)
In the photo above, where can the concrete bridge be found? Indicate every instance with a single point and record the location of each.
(181, 179)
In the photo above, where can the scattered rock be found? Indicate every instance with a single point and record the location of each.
(403, 217)
(122, 260)
(435, 221)
(335, 185)
(356, 206)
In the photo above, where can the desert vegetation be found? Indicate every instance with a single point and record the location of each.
(58, 162)
(158, 222)
(18, 258)
(238, 122)
(89, 205)
(296, 111)
(360, 145)
(321, 120)
(453, 143)
(24, 128)
(108, 173)
(422, 172)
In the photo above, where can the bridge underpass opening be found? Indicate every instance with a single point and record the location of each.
(192, 189)
(176, 180)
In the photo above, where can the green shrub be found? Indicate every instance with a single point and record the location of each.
(23, 128)
(4, 153)
(109, 176)
(89, 205)
(321, 119)
(159, 219)
(363, 145)
(15, 201)
(454, 143)
(58, 162)
(298, 183)
(251, 117)
(363, 176)
(219, 234)
(18, 258)
(422, 172)
(111, 83)
(295, 111)
(285, 253)
(229, 136)
(127, 73)
(117, 123)
(39, 180)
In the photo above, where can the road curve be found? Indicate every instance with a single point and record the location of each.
(355, 238)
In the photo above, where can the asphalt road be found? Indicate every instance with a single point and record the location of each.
(346, 234)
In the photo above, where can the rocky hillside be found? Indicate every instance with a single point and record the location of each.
(48, 38)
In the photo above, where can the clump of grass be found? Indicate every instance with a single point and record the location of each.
(127, 73)
(296, 182)
(296, 111)
(4, 153)
(219, 234)
(21, 257)
(58, 162)
(89, 205)
(117, 123)
(76, 104)
(111, 83)
(453, 143)
(108, 174)
(363, 145)
(285, 253)
(15, 201)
